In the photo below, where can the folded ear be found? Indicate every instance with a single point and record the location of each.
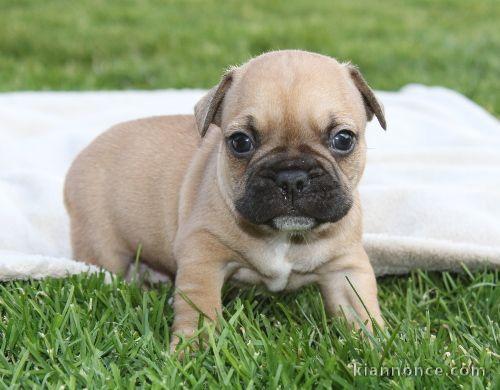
(208, 109)
(372, 105)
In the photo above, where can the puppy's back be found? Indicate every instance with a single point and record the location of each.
(137, 167)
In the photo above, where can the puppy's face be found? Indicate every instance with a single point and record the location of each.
(294, 149)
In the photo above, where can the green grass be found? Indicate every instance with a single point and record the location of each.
(80, 332)
(96, 44)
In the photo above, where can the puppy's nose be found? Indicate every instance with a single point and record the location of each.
(292, 180)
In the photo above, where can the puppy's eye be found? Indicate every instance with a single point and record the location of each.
(342, 141)
(241, 143)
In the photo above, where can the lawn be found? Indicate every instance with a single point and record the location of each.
(84, 333)
(81, 332)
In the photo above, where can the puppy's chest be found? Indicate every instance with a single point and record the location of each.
(282, 265)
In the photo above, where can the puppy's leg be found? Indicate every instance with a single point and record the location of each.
(99, 247)
(198, 282)
(341, 297)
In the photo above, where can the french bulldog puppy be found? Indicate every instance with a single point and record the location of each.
(259, 186)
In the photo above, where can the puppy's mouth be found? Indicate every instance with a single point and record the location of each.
(288, 223)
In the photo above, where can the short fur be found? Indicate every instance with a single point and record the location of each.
(204, 215)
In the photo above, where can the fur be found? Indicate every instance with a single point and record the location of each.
(204, 215)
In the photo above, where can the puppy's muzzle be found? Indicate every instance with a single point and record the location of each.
(293, 194)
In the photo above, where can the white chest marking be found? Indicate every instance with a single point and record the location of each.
(275, 265)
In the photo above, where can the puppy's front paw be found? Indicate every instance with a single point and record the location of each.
(185, 339)
(358, 320)
(174, 342)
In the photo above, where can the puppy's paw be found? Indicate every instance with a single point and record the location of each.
(183, 342)
(360, 320)
(174, 343)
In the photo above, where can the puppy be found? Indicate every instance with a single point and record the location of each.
(259, 186)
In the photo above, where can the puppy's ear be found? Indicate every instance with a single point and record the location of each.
(372, 105)
(208, 109)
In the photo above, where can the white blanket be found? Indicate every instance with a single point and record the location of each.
(431, 190)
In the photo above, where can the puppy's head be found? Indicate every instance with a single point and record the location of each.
(293, 147)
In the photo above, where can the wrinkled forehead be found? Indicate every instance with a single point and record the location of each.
(303, 96)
